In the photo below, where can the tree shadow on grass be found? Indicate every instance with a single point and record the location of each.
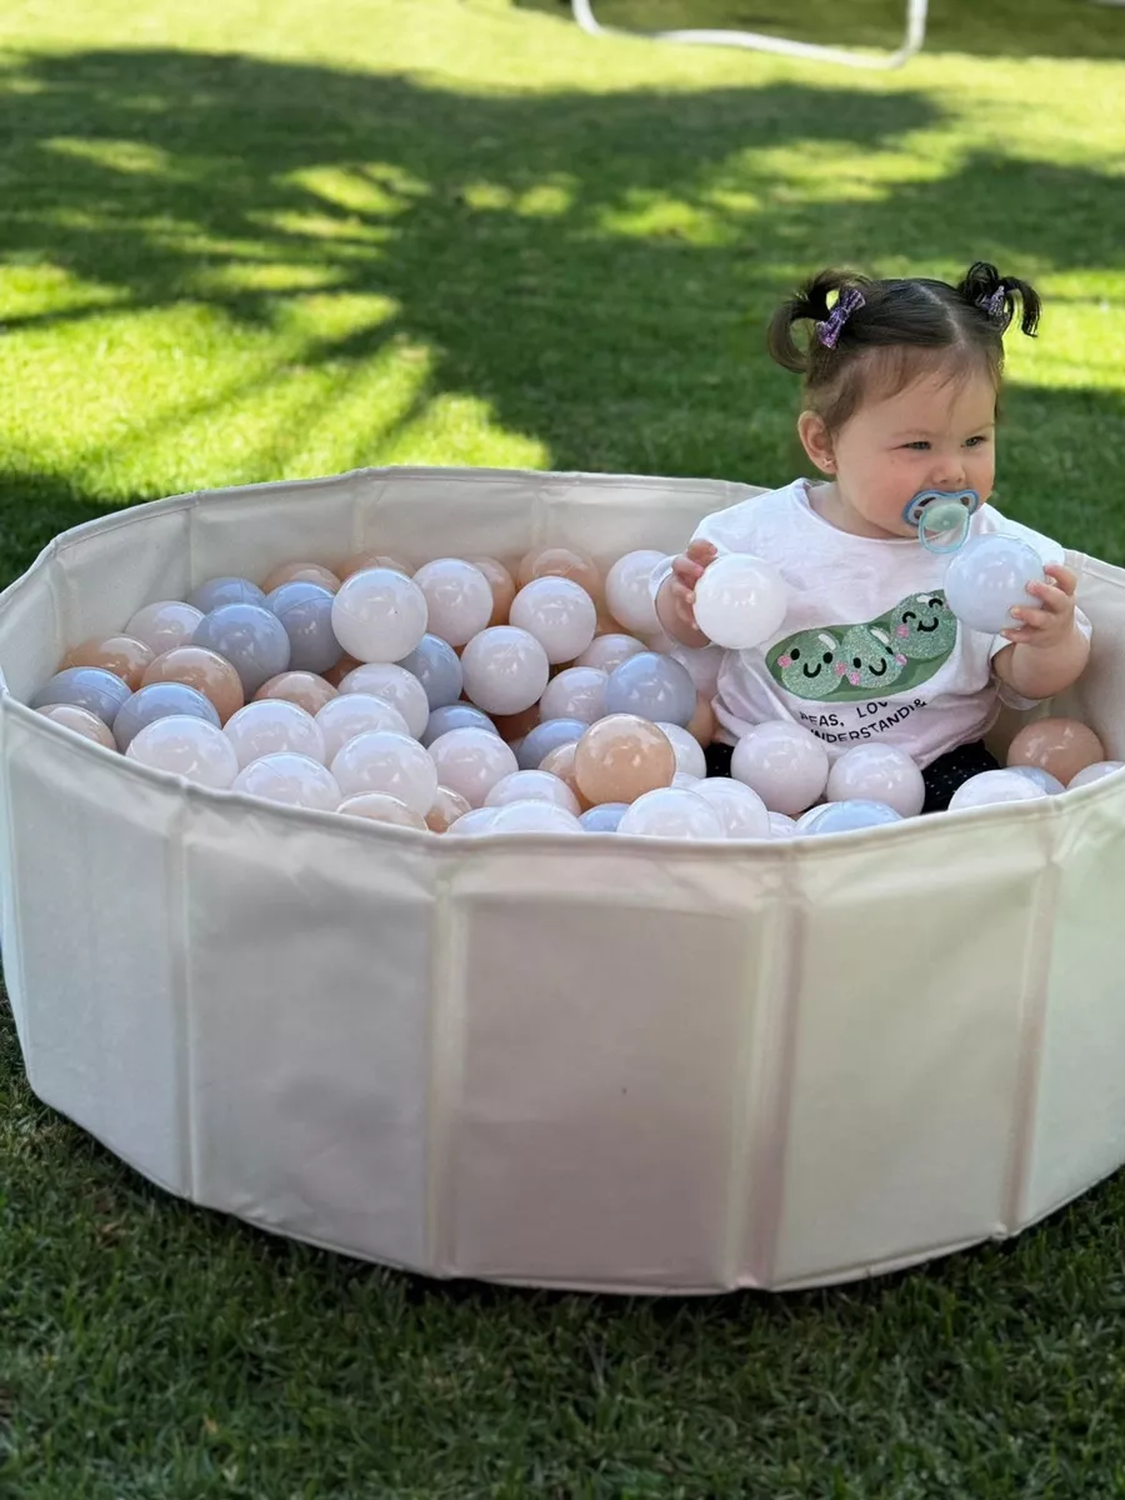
(595, 268)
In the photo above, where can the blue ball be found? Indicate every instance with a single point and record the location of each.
(653, 687)
(438, 668)
(251, 638)
(160, 700)
(605, 818)
(92, 688)
(538, 743)
(455, 716)
(857, 812)
(305, 610)
(219, 591)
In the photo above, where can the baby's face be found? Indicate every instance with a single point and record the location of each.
(937, 434)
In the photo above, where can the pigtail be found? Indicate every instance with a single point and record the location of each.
(998, 297)
(811, 304)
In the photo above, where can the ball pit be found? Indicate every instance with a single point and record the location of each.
(585, 1061)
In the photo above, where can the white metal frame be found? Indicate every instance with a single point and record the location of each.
(913, 38)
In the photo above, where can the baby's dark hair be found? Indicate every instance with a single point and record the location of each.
(885, 334)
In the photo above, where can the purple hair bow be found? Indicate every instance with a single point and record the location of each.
(993, 305)
(828, 331)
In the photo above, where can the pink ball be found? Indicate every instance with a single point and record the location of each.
(534, 817)
(533, 786)
(743, 812)
(608, 651)
(786, 765)
(878, 773)
(191, 748)
(670, 813)
(271, 725)
(505, 670)
(394, 685)
(628, 591)
(458, 598)
(351, 714)
(379, 615)
(294, 780)
(471, 762)
(560, 615)
(381, 761)
(577, 693)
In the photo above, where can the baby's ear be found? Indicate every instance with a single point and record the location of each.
(816, 441)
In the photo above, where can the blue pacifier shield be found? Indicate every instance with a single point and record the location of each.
(942, 517)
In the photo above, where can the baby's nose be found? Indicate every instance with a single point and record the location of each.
(949, 472)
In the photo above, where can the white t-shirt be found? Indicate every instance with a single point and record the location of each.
(868, 649)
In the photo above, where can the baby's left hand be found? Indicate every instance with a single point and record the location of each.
(1052, 622)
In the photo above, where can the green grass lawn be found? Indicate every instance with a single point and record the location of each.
(242, 242)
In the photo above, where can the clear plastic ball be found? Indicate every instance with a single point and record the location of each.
(394, 764)
(470, 762)
(786, 765)
(250, 637)
(458, 599)
(446, 808)
(165, 625)
(628, 590)
(269, 726)
(559, 614)
(740, 602)
(988, 578)
(187, 747)
(505, 669)
(395, 686)
(293, 780)
(379, 616)
(352, 714)
(672, 813)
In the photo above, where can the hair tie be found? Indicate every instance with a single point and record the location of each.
(994, 305)
(828, 330)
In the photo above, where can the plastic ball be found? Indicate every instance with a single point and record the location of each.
(628, 590)
(988, 578)
(301, 572)
(532, 786)
(269, 726)
(165, 625)
(561, 762)
(379, 761)
(878, 773)
(1061, 746)
(458, 599)
(352, 714)
(672, 814)
(80, 721)
(534, 817)
(502, 584)
(206, 671)
(576, 693)
(395, 686)
(470, 762)
(1097, 772)
(742, 811)
(995, 786)
(782, 827)
(93, 688)
(740, 602)
(378, 807)
(293, 780)
(513, 728)
(219, 591)
(379, 616)
(687, 750)
(305, 689)
(335, 675)
(476, 821)
(363, 562)
(505, 669)
(250, 637)
(438, 668)
(846, 817)
(122, 655)
(805, 822)
(604, 818)
(620, 759)
(1050, 784)
(160, 700)
(548, 736)
(559, 614)
(608, 651)
(305, 611)
(651, 687)
(187, 747)
(446, 808)
(786, 765)
(683, 782)
(561, 562)
(456, 716)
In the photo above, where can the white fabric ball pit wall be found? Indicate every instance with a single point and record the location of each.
(574, 1062)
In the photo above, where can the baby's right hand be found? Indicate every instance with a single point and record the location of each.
(687, 570)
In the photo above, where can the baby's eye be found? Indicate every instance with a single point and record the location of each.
(919, 447)
(975, 442)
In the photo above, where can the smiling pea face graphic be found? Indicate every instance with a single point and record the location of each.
(923, 627)
(869, 659)
(809, 664)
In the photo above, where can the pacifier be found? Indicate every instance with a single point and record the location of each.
(942, 517)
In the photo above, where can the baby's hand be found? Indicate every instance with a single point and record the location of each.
(1053, 621)
(687, 570)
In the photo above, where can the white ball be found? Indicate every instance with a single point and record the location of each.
(577, 693)
(292, 779)
(628, 591)
(559, 613)
(988, 578)
(505, 670)
(683, 782)
(534, 817)
(458, 599)
(381, 761)
(608, 651)
(394, 685)
(782, 827)
(878, 773)
(743, 812)
(1050, 784)
(165, 625)
(378, 615)
(471, 762)
(995, 786)
(1096, 772)
(786, 765)
(349, 714)
(187, 747)
(805, 822)
(476, 821)
(740, 601)
(533, 786)
(690, 758)
(670, 813)
(271, 725)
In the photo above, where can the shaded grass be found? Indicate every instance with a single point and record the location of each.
(236, 248)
